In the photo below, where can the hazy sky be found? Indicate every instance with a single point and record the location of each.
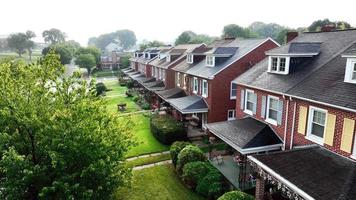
(163, 20)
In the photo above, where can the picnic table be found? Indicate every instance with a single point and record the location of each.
(121, 106)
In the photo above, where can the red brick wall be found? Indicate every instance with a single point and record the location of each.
(148, 70)
(299, 139)
(219, 87)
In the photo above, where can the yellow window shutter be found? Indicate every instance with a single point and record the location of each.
(330, 129)
(303, 111)
(347, 135)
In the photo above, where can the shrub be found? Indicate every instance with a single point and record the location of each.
(146, 106)
(166, 129)
(195, 171)
(135, 98)
(130, 84)
(100, 88)
(175, 149)
(211, 186)
(236, 195)
(189, 154)
(124, 62)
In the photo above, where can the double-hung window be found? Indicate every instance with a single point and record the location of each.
(316, 124)
(190, 58)
(195, 85)
(163, 74)
(204, 90)
(279, 65)
(233, 91)
(231, 115)
(249, 102)
(272, 109)
(185, 81)
(178, 79)
(210, 61)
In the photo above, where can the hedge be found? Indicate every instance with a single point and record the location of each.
(166, 129)
(236, 195)
(175, 149)
(212, 185)
(100, 88)
(189, 154)
(195, 171)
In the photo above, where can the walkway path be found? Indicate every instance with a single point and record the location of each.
(147, 155)
(116, 95)
(134, 113)
(152, 165)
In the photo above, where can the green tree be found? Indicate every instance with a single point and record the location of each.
(266, 30)
(127, 38)
(53, 36)
(318, 24)
(30, 44)
(86, 61)
(57, 141)
(185, 37)
(235, 31)
(18, 42)
(236, 195)
(65, 52)
(91, 50)
(155, 43)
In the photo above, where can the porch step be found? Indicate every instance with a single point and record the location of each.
(196, 138)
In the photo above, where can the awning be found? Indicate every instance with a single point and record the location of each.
(171, 93)
(133, 73)
(128, 70)
(137, 76)
(154, 85)
(246, 135)
(309, 173)
(189, 104)
(145, 79)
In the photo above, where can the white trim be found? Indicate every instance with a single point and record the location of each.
(190, 58)
(280, 178)
(268, 119)
(203, 94)
(278, 70)
(178, 79)
(228, 114)
(249, 112)
(212, 64)
(195, 91)
(311, 136)
(293, 54)
(350, 70)
(232, 97)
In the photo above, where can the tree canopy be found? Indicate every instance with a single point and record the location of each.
(189, 37)
(155, 43)
(235, 31)
(125, 38)
(18, 42)
(86, 61)
(318, 24)
(90, 50)
(53, 36)
(57, 141)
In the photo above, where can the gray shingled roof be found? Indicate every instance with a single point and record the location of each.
(189, 104)
(316, 171)
(171, 93)
(244, 133)
(225, 50)
(304, 47)
(244, 46)
(332, 44)
(153, 84)
(327, 85)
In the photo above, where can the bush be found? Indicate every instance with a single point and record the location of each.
(189, 154)
(195, 171)
(236, 195)
(135, 98)
(124, 62)
(130, 84)
(211, 186)
(175, 149)
(166, 129)
(146, 106)
(100, 88)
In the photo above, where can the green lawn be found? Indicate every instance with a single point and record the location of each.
(142, 133)
(105, 73)
(141, 129)
(148, 160)
(156, 183)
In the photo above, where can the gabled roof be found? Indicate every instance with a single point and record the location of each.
(223, 51)
(242, 48)
(314, 172)
(246, 135)
(332, 45)
(189, 104)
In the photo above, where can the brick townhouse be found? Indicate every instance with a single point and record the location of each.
(304, 93)
(205, 77)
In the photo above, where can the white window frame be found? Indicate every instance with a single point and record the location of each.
(195, 85)
(160, 74)
(228, 115)
(311, 136)
(350, 64)
(163, 74)
(178, 79)
(190, 58)
(278, 71)
(249, 112)
(268, 119)
(204, 91)
(184, 81)
(210, 60)
(354, 149)
(168, 58)
(231, 96)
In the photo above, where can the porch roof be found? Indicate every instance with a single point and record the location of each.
(171, 93)
(189, 104)
(145, 79)
(311, 172)
(127, 70)
(246, 135)
(136, 77)
(154, 85)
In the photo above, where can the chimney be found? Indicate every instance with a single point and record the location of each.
(291, 36)
(328, 28)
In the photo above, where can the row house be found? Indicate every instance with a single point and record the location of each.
(205, 77)
(299, 105)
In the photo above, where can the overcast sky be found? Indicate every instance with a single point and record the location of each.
(162, 20)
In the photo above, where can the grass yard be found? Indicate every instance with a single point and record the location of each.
(142, 133)
(156, 183)
(148, 160)
(105, 73)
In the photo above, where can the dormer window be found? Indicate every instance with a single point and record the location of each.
(350, 75)
(210, 61)
(168, 58)
(190, 58)
(279, 65)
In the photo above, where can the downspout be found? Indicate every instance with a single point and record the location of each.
(292, 134)
(286, 124)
